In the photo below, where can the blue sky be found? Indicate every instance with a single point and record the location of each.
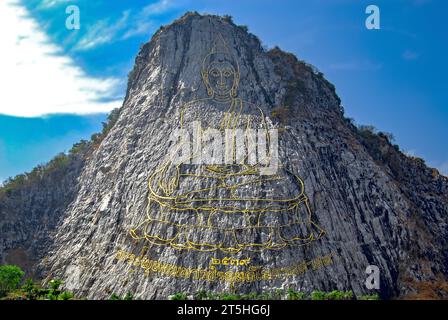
(393, 78)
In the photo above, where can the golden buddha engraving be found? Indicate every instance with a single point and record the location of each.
(228, 207)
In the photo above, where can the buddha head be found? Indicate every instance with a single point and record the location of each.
(220, 72)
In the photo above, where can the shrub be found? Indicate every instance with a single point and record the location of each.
(228, 18)
(65, 296)
(375, 296)
(79, 147)
(10, 278)
(179, 296)
(54, 292)
(128, 296)
(244, 28)
(250, 296)
(339, 295)
(61, 160)
(230, 296)
(318, 295)
(333, 295)
(278, 294)
(30, 290)
(265, 296)
(112, 118)
(201, 295)
(114, 297)
(389, 136)
(33, 292)
(295, 295)
(275, 294)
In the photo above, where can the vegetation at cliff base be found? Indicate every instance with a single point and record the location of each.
(13, 287)
(128, 296)
(276, 294)
(10, 278)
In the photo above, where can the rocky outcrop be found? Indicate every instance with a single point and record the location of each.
(31, 207)
(126, 229)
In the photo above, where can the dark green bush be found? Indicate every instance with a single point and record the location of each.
(10, 278)
(375, 296)
(333, 295)
(201, 295)
(65, 296)
(30, 289)
(128, 296)
(54, 291)
(318, 295)
(339, 295)
(295, 295)
(179, 296)
(114, 297)
(245, 28)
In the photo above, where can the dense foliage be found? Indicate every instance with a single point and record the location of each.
(10, 278)
(277, 294)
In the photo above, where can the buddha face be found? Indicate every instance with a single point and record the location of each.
(221, 77)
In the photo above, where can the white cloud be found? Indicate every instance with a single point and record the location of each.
(36, 78)
(141, 28)
(129, 25)
(47, 4)
(142, 23)
(158, 7)
(102, 32)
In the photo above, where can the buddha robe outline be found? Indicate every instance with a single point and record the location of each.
(225, 207)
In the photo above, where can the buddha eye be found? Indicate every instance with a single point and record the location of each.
(214, 73)
(227, 73)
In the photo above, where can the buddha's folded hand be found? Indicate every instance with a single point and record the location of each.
(167, 179)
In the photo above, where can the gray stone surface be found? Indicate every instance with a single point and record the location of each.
(376, 210)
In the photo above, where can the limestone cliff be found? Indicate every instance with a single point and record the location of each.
(359, 202)
(31, 206)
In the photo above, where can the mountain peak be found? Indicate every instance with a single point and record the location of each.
(340, 199)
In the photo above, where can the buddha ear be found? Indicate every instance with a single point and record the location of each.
(204, 75)
(236, 83)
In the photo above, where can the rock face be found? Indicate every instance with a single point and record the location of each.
(30, 213)
(341, 200)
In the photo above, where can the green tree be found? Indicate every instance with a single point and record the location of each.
(29, 289)
(10, 278)
(54, 291)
